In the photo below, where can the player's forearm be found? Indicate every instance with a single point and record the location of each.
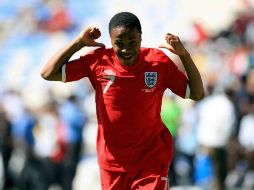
(195, 81)
(52, 70)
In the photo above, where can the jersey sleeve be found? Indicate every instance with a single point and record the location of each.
(176, 80)
(74, 70)
(79, 68)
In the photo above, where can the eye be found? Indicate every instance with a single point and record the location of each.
(133, 43)
(118, 44)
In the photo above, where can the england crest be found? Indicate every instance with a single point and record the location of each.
(150, 79)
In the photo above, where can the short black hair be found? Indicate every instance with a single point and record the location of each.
(125, 19)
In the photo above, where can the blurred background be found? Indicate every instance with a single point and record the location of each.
(48, 129)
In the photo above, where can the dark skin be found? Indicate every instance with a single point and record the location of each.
(52, 70)
(126, 43)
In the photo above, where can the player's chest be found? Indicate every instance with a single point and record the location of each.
(145, 82)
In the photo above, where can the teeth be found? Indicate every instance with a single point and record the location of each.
(126, 56)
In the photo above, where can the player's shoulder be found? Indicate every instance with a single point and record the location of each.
(154, 54)
(94, 55)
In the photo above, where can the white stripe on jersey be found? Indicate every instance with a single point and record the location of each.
(187, 95)
(63, 73)
(166, 182)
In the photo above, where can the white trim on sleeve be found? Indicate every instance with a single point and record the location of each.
(187, 95)
(63, 73)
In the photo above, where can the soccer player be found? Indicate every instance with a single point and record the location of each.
(134, 147)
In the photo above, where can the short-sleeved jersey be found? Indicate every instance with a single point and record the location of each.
(131, 134)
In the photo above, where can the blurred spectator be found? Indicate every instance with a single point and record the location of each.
(201, 35)
(246, 139)
(242, 22)
(215, 126)
(50, 145)
(170, 113)
(75, 121)
(55, 17)
(239, 157)
(241, 154)
(245, 96)
(22, 122)
(186, 145)
(6, 147)
(24, 141)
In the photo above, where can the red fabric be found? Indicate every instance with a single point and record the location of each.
(131, 134)
(202, 35)
(60, 151)
(146, 179)
(59, 20)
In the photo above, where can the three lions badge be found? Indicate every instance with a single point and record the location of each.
(150, 79)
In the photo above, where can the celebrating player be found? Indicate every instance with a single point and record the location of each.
(134, 147)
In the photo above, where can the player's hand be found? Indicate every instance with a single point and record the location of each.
(88, 36)
(174, 45)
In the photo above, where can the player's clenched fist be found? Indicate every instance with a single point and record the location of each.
(174, 45)
(88, 36)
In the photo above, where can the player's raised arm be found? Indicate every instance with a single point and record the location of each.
(175, 45)
(52, 70)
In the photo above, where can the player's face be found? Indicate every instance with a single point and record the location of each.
(126, 44)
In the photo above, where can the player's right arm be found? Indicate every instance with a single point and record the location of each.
(53, 69)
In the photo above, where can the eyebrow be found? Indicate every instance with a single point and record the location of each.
(131, 38)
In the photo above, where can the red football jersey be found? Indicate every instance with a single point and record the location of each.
(131, 134)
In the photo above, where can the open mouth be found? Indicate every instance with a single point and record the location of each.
(126, 57)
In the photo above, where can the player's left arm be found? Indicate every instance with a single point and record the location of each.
(195, 83)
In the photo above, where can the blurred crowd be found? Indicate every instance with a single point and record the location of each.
(42, 124)
(214, 138)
